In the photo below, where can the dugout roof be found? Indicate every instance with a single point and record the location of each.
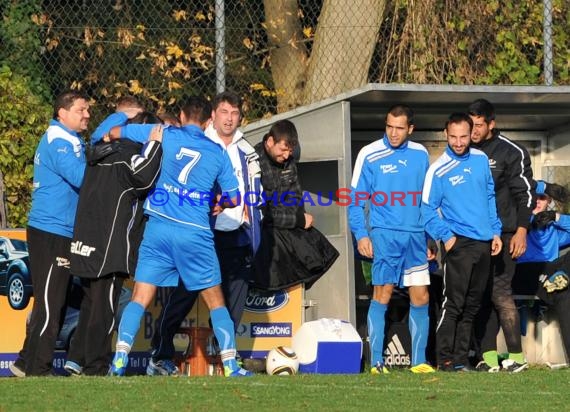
(518, 107)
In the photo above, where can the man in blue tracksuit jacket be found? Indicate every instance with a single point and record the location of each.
(550, 231)
(59, 165)
(539, 271)
(459, 185)
(548, 279)
(388, 177)
(545, 240)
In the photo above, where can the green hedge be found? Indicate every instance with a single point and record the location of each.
(24, 117)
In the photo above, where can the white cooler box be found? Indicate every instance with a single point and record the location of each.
(328, 346)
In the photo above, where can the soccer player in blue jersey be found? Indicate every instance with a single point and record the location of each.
(388, 177)
(178, 242)
(237, 233)
(470, 231)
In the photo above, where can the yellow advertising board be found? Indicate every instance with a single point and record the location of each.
(15, 295)
(270, 318)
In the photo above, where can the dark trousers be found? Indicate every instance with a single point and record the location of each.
(49, 267)
(560, 302)
(498, 308)
(91, 343)
(526, 282)
(235, 265)
(465, 274)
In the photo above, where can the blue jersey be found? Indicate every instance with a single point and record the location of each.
(393, 178)
(59, 165)
(191, 166)
(114, 119)
(543, 245)
(462, 188)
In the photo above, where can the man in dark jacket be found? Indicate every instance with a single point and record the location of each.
(515, 193)
(108, 231)
(291, 250)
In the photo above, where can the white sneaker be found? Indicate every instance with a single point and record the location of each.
(162, 367)
(484, 367)
(73, 368)
(16, 371)
(511, 366)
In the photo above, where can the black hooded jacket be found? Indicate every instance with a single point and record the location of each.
(109, 222)
(515, 188)
(288, 254)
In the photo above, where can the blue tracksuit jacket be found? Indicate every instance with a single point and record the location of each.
(462, 188)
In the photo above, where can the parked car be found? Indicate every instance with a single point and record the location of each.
(15, 278)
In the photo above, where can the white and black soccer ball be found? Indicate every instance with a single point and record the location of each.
(282, 361)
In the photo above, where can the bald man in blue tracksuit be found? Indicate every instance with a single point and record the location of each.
(388, 177)
(458, 208)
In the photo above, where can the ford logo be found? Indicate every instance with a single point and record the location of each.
(262, 302)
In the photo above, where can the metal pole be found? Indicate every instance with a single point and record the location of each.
(220, 47)
(547, 40)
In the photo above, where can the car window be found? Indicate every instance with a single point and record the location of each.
(20, 245)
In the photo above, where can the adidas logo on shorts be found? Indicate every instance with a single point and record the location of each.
(395, 355)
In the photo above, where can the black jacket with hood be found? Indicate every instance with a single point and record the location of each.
(515, 188)
(109, 222)
(288, 254)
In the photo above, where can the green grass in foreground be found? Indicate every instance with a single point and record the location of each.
(536, 389)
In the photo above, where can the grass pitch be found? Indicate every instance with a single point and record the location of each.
(532, 390)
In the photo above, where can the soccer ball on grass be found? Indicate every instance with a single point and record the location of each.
(282, 361)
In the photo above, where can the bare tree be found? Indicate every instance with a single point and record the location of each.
(332, 66)
(289, 54)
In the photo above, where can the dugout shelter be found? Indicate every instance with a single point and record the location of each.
(332, 131)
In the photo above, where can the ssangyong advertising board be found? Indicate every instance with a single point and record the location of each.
(270, 320)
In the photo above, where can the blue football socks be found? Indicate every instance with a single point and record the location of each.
(224, 331)
(419, 331)
(130, 324)
(376, 322)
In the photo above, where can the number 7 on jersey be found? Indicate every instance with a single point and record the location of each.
(194, 157)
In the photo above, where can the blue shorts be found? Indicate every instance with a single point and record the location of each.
(170, 251)
(400, 258)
